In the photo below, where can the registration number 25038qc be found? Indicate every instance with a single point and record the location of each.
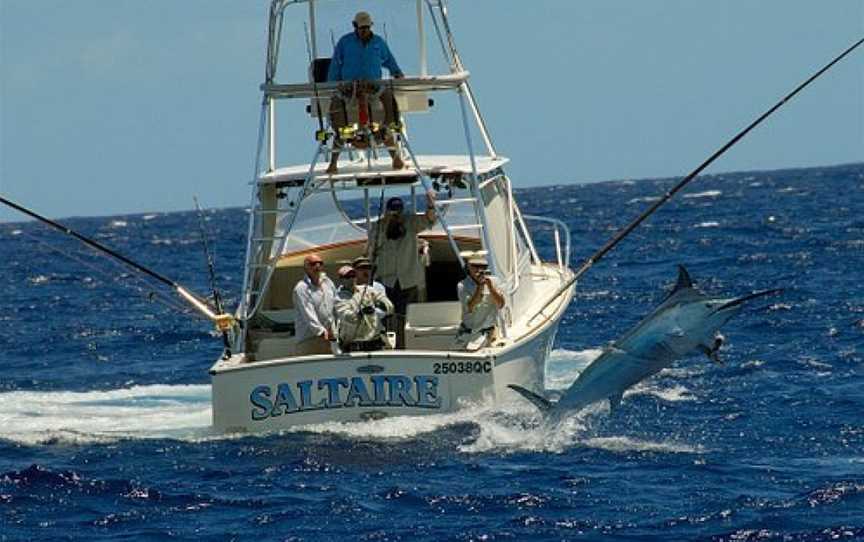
(469, 367)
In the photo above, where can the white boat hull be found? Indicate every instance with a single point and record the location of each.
(283, 393)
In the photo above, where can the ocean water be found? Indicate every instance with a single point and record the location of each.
(104, 393)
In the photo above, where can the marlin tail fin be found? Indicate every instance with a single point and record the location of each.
(540, 402)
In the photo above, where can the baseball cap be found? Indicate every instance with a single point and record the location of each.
(363, 19)
(395, 204)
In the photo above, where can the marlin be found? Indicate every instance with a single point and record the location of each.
(686, 323)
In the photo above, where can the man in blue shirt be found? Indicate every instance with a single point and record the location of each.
(358, 57)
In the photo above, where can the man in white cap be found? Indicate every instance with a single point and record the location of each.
(359, 57)
(314, 297)
(481, 299)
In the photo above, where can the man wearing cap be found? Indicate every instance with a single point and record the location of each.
(481, 299)
(392, 247)
(359, 56)
(314, 297)
(359, 315)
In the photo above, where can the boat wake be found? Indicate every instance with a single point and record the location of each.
(182, 413)
(139, 412)
(518, 427)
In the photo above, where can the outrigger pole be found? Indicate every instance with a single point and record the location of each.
(223, 321)
(618, 237)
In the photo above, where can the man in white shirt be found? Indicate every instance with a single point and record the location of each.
(314, 297)
(360, 312)
(392, 248)
(481, 299)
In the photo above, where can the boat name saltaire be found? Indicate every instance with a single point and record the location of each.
(387, 390)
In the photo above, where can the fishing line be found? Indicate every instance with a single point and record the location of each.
(105, 276)
(222, 321)
(624, 232)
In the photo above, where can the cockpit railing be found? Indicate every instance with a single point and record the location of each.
(554, 228)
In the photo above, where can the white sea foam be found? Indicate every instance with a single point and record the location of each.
(149, 217)
(118, 224)
(705, 194)
(672, 394)
(645, 199)
(709, 224)
(16, 232)
(156, 411)
(565, 365)
(627, 444)
(39, 279)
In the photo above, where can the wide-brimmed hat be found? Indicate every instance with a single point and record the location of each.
(478, 261)
(363, 19)
(345, 272)
(362, 262)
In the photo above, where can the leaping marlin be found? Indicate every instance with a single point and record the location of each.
(686, 323)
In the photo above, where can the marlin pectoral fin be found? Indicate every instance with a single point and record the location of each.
(710, 354)
(615, 402)
(540, 402)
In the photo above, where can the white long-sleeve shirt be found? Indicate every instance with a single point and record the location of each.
(313, 307)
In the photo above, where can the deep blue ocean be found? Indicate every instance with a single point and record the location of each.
(104, 391)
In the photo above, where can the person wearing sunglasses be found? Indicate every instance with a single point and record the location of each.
(314, 297)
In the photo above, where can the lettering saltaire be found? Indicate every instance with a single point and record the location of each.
(386, 390)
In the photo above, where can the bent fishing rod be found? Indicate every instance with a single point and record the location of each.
(223, 321)
(624, 232)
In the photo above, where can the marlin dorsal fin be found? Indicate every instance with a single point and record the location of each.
(540, 402)
(684, 280)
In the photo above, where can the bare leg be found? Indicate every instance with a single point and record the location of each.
(391, 115)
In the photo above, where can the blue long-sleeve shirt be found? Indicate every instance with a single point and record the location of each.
(354, 61)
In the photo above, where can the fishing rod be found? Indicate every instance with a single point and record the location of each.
(321, 134)
(624, 232)
(374, 254)
(222, 321)
(211, 271)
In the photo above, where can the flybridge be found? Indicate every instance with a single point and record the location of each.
(377, 173)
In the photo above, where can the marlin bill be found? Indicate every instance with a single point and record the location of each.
(686, 323)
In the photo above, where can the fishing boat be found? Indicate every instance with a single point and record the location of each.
(301, 209)
(261, 383)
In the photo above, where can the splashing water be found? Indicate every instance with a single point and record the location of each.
(157, 411)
